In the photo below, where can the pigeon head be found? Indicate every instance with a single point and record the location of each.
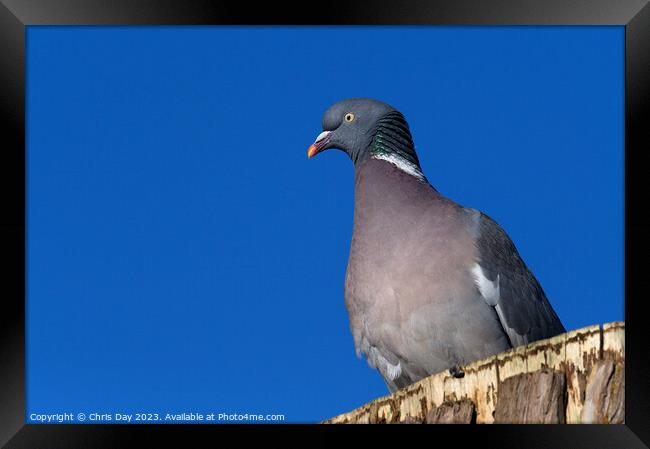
(365, 128)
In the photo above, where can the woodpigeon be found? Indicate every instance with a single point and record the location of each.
(430, 285)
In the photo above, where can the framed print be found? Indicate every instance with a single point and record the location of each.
(182, 248)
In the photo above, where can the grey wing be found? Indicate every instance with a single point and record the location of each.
(507, 284)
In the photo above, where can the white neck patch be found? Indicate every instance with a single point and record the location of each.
(402, 164)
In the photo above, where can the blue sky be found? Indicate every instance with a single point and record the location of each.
(183, 254)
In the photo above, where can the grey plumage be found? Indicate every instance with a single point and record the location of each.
(430, 285)
(523, 308)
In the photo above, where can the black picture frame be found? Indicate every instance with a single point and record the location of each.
(16, 15)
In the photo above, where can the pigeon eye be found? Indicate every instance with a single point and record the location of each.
(349, 117)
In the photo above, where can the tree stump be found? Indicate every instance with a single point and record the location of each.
(457, 412)
(532, 398)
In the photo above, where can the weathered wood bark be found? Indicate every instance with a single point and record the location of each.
(532, 398)
(577, 377)
(458, 412)
(605, 393)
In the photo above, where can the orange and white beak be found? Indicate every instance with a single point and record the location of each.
(321, 141)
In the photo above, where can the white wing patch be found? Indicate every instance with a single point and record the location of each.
(489, 289)
(402, 164)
